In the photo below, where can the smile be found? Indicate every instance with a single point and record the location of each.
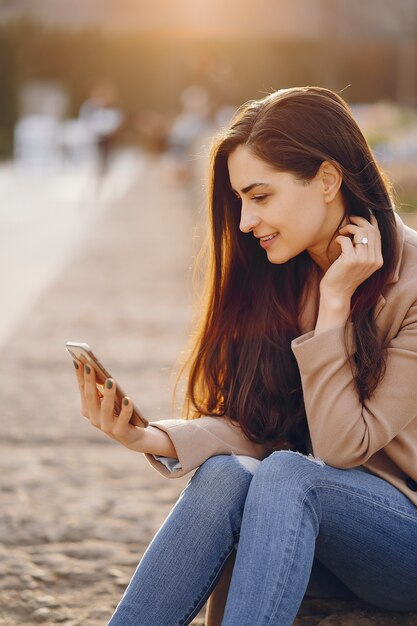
(267, 241)
(268, 237)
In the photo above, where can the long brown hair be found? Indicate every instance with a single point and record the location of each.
(241, 363)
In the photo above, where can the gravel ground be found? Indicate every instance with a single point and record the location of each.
(77, 509)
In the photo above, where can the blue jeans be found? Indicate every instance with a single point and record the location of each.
(300, 528)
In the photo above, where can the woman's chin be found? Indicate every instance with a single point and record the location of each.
(277, 255)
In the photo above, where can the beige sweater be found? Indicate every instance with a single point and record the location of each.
(380, 434)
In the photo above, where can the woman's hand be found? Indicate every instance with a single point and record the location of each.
(356, 262)
(99, 409)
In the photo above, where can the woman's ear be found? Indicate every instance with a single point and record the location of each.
(331, 180)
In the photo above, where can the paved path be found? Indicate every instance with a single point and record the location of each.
(78, 510)
(44, 216)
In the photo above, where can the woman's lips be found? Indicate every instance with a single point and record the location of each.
(268, 242)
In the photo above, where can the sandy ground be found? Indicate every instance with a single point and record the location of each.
(77, 509)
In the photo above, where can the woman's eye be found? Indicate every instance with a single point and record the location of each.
(259, 198)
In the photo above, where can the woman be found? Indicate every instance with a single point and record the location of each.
(301, 386)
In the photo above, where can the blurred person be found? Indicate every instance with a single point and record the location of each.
(192, 121)
(301, 405)
(152, 130)
(36, 142)
(104, 119)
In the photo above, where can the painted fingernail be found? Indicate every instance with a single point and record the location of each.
(87, 369)
(75, 365)
(109, 384)
(125, 401)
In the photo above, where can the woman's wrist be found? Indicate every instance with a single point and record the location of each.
(334, 311)
(153, 440)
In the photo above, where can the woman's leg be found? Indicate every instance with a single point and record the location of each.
(297, 509)
(185, 558)
(324, 584)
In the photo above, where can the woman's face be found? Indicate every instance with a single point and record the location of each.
(297, 216)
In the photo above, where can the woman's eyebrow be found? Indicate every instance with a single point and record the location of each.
(251, 186)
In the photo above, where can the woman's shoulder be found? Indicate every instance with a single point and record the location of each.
(409, 226)
(399, 297)
(405, 273)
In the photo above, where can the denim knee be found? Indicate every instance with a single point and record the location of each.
(221, 469)
(293, 470)
(222, 482)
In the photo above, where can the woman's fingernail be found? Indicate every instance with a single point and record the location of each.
(125, 401)
(75, 365)
(87, 369)
(109, 384)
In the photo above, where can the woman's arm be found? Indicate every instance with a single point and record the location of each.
(333, 312)
(189, 441)
(344, 432)
(198, 439)
(156, 441)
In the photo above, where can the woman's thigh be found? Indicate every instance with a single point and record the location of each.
(367, 529)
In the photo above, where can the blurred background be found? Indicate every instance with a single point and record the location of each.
(107, 111)
(91, 89)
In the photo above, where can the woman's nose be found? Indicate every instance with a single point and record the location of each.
(248, 221)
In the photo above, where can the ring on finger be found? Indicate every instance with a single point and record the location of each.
(363, 241)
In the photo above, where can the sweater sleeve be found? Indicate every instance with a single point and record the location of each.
(198, 439)
(344, 432)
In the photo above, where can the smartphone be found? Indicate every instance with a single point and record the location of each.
(82, 352)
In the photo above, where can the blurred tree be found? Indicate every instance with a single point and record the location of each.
(9, 83)
(407, 57)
